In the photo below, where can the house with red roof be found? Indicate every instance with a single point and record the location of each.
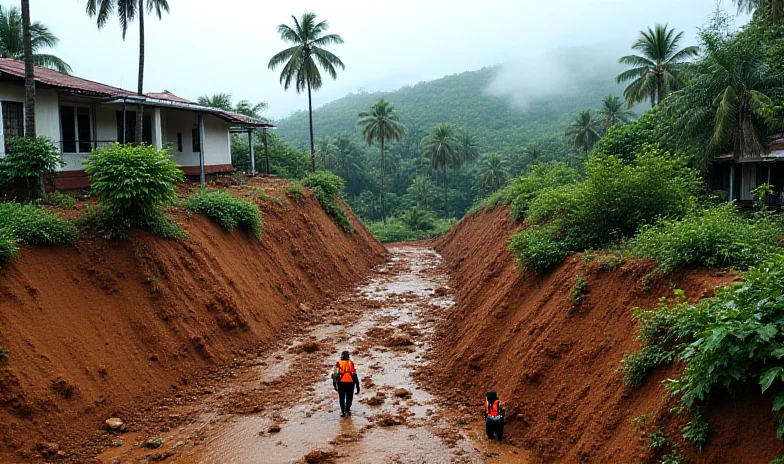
(80, 115)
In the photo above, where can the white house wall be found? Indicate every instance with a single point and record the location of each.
(47, 112)
(216, 138)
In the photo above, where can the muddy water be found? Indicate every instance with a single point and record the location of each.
(387, 336)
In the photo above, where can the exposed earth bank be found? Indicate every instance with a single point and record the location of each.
(557, 363)
(115, 329)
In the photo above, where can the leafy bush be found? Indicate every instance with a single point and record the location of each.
(8, 245)
(227, 211)
(327, 188)
(612, 203)
(726, 341)
(715, 237)
(295, 191)
(397, 231)
(33, 224)
(133, 182)
(27, 159)
(61, 200)
(577, 294)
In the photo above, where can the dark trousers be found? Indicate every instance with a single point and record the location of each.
(346, 395)
(494, 429)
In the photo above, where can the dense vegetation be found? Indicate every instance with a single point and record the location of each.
(227, 211)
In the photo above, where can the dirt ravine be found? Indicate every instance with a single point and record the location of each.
(282, 409)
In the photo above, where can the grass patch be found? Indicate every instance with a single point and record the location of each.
(61, 200)
(295, 192)
(35, 225)
(227, 211)
(714, 237)
(8, 244)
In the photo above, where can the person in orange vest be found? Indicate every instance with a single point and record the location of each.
(344, 380)
(494, 416)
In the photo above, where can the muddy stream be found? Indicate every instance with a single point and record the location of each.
(282, 408)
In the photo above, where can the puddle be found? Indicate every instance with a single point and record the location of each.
(387, 337)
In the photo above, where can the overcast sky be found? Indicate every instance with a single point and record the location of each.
(205, 47)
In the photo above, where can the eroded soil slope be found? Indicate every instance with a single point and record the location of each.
(557, 364)
(115, 329)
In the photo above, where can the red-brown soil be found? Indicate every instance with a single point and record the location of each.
(558, 366)
(125, 328)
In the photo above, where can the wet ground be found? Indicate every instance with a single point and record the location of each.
(283, 409)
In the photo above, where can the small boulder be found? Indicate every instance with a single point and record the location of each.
(402, 393)
(154, 443)
(274, 428)
(114, 423)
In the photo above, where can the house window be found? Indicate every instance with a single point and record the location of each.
(179, 142)
(196, 140)
(75, 125)
(13, 121)
(129, 135)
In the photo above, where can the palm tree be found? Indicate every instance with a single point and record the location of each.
(27, 39)
(421, 189)
(443, 148)
(415, 219)
(326, 151)
(346, 157)
(725, 105)
(656, 71)
(127, 10)
(613, 112)
(584, 131)
(469, 146)
(381, 124)
(12, 41)
(218, 100)
(307, 35)
(772, 10)
(251, 110)
(494, 172)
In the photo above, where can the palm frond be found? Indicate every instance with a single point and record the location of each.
(52, 62)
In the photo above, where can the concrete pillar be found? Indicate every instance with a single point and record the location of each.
(157, 130)
(202, 174)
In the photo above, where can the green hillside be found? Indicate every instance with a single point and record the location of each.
(462, 99)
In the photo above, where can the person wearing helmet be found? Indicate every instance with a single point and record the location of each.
(494, 416)
(344, 380)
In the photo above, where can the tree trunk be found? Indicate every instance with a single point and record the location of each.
(29, 129)
(383, 201)
(310, 119)
(446, 195)
(139, 108)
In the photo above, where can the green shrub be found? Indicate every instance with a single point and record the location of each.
(397, 231)
(611, 204)
(227, 211)
(5, 355)
(539, 247)
(295, 191)
(61, 200)
(715, 237)
(33, 224)
(657, 439)
(697, 430)
(27, 160)
(8, 244)
(133, 182)
(327, 188)
(725, 342)
(577, 294)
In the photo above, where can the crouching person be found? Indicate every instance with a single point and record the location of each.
(494, 416)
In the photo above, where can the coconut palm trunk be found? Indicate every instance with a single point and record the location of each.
(310, 120)
(140, 108)
(383, 200)
(446, 194)
(27, 38)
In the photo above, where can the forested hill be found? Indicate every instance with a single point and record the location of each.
(462, 99)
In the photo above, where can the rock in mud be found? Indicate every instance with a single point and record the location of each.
(441, 291)
(114, 423)
(320, 456)
(388, 420)
(310, 347)
(376, 400)
(154, 443)
(402, 393)
(274, 428)
(47, 448)
(400, 341)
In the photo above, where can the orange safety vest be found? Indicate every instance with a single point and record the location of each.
(493, 410)
(345, 371)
